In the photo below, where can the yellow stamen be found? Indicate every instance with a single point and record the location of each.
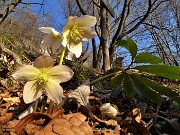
(76, 33)
(43, 78)
(55, 36)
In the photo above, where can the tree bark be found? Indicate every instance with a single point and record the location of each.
(104, 38)
(99, 58)
(94, 63)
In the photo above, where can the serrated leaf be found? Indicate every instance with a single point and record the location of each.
(130, 45)
(128, 86)
(146, 57)
(161, 89)
(116, 81)
(167, 71)
(146, 90)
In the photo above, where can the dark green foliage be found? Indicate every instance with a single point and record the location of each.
(160, 89)
(145, 89)
(117, 80)
(130, 45)
(128, 86)
(146, 57)
(137, 82)
(167, 71)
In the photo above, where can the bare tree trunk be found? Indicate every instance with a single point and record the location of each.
(99, 58)
(94, 53)
(104, 38)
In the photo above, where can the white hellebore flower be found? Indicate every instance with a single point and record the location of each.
(41, 78)
(77, 30)
(52, 38)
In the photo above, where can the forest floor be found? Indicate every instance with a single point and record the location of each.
(104, 115)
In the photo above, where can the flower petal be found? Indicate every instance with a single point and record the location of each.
(70, 22)
(86, 21)
(61, 73)
(31, 92)
(88, 34)
(76, 49)
(43, 61)
(54, 91)
(27, 73)
(57, 44)
(47, 30)
(65, 38)
(47, 41)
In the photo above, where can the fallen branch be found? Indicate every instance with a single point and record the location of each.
(9, 52)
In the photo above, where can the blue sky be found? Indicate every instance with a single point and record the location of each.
(52, 8)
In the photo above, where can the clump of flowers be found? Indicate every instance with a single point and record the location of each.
(77, 30)
(42, 77)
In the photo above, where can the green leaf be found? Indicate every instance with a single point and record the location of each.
(146, 57)
(166, 71)
(116, 81)
(115, 92)
(130, 45)
(128, 86)
(176, 105)
(113, 70)
(161, 89)
(145, 89)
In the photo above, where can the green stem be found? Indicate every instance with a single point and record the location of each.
(50, 108)
(102, 78)
(63, 102)
(62, 56)
(44, 100)
(35, 105)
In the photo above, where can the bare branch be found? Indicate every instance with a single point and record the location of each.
(34, 3)
(128, 15)
(138, 23)
(154, 26)
(96, 3)
(81, 7)
(8, 9)
(9, 52)
(120, 23)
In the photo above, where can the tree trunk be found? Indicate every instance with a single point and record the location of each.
(99, 58)
(94, 63)
(104, 38)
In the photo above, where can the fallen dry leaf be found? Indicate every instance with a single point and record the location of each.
(32, 128)
(107, 109)
(132, 123)
(12, 100)
(70, 124)
(29, 118)
(6, 117)
(108, 122)
(81, 94)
